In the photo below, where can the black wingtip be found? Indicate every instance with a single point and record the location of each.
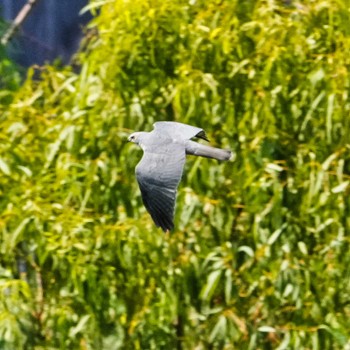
(165, 224)
(162, 221)
(202, 135)
(167, 229)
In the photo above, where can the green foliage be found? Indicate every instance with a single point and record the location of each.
(260, 256)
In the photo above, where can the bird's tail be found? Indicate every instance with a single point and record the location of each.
(198, 149)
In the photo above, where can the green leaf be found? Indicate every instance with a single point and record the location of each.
(80, 326)
(266, 329)
(341, 187)
(211, 284)
(4, 167)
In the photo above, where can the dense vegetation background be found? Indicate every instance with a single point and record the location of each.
(260, 256)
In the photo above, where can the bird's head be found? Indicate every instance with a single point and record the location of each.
(136, 137)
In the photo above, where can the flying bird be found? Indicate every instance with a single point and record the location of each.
(160, 169)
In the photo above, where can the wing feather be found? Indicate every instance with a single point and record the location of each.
(180, 130)
(158, 174)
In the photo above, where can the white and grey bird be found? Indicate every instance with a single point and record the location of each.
(160, 169)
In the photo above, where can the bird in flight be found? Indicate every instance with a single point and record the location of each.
(160, 169)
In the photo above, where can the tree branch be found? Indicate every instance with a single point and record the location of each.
(18, 21)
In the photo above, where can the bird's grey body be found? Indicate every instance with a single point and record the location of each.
(160, 169)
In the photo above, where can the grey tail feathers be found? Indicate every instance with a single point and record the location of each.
(198, 149)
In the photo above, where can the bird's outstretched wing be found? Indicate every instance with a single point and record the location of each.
(180, 130)
(158, 174)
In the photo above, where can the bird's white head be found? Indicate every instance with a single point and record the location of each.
(136, 137)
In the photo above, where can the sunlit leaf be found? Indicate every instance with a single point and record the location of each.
(211, 284)
(4, 167)
(266, 329)
(340, 188)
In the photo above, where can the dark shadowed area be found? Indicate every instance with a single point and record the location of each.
(53, 29)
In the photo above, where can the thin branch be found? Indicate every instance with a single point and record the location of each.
(18, 21)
